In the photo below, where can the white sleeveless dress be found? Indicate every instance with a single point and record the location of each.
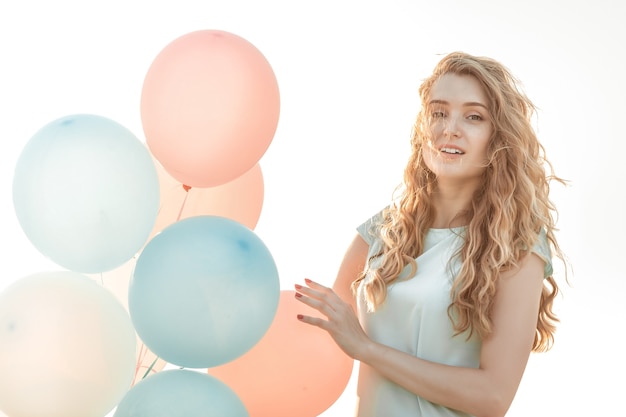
(414, 319)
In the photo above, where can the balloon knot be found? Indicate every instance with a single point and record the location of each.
(186, 187)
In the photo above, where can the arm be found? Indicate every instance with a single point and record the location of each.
(351, 266)
(486, 391)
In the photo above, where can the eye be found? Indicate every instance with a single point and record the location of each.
(438, 115)
(475, 117)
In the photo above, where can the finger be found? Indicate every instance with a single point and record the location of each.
(317, 304)
(314, 321)
(326, 303)
(316, 285)
(310, 292)
(319, 291)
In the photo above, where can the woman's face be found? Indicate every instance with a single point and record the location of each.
(460, 127)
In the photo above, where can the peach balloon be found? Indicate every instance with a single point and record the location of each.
(240, 199)
(116, 281)
(294, 370)
(209, 107)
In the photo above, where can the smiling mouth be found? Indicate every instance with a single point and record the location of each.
(451, 151)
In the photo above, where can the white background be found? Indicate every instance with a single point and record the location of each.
(348, 73)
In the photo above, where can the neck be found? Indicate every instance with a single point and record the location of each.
(451, 201)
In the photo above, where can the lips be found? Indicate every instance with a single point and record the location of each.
(451, 150)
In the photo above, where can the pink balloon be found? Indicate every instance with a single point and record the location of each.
(209, 107)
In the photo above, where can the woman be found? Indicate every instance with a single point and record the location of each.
(443, 295)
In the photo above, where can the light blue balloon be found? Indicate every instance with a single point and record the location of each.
(180, 393)
(204, 291)
(86, 193)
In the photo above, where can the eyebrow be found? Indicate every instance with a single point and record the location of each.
(468, 104)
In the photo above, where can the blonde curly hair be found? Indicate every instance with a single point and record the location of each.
(506, 214)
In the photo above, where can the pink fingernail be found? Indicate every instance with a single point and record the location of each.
(298, 286)
(299, 316)
(298, 295)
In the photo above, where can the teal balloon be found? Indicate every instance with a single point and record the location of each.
(180, 393)
(86, 193)
(204, 291)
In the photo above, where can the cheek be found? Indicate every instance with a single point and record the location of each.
(485, 149)
(436, 129)
(483, 140)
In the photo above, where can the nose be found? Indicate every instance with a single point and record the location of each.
(451, 127)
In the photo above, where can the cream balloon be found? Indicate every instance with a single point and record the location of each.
(67, 347)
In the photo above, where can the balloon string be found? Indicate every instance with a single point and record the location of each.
(143, 351)
(150, 367)
(140, 358)
(182, 207)
(101, 278)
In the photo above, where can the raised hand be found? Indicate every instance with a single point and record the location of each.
(341, 321)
